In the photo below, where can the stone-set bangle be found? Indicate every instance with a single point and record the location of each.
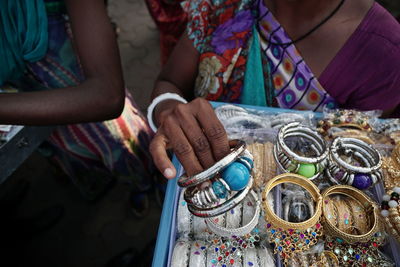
(370, 207)
(289, 161)
(345, 118)
(288, 237)
(341, 172)
(240, 231)
(237, 148)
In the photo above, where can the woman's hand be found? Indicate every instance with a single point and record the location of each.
(193, 132)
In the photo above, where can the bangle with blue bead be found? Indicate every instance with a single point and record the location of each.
(234, 177)
(365, 169)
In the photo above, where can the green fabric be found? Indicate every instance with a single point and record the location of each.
(253, 92)
(23, 36)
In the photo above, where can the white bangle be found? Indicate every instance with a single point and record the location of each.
(239, 231)
(158, 100)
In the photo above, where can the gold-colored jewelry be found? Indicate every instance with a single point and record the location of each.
(370, 208)
(353, 134)
(357, 254)
(290, 238)
(305, 183)
(264, 163)
(360, 218)
(344, 119)
(331, 213)
(391, 168)
(344, 218)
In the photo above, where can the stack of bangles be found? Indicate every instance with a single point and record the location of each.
(390, 211)
(290, 161)
(222, 187)
(366, 170)
(358, 246)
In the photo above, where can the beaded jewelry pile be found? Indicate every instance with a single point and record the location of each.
(296, 190)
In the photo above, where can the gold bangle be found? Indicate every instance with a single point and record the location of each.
(369, 206)
(331, 212)
(291, 238)
(264, 163)
(360, 218)
(354, 134)
(344, 216)
(305, 183)
(391, 167)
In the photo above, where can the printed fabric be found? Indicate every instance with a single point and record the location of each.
(221, 31)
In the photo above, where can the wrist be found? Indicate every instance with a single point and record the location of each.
(168, 100)
(163, 109)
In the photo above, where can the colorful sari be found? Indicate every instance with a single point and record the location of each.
(243, 59)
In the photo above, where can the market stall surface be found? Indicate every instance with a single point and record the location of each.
(89, 234)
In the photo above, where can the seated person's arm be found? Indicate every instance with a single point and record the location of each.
(191, 130)
(99, 97)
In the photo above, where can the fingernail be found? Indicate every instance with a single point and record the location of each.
(168, 172)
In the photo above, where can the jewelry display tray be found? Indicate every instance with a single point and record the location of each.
(166, 237)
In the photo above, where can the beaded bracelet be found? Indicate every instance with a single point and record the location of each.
(390, 211)
(290, 161)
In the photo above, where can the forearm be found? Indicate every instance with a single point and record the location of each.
(178, 76)
(90, 101)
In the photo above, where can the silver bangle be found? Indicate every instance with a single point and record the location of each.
(240, 231)
(238, 146)
(218, 209)
(341, 172)
(180, 255)
(289, 161)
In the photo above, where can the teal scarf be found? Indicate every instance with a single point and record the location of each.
(23, 36)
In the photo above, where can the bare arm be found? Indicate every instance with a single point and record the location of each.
(99, 97)
(191, 130)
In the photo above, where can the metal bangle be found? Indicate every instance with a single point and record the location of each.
(365, 153)
(289, 161)
(238, 146)
(343, 143)
(240, 231)
(364, 200)
(313, 135)
(219, 208)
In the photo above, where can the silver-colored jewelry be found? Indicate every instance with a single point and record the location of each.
(180, 255)
(234, 216)
(265, 257)
(283, 119)
(219, 208)
(184, 217)
(238, 231)
(238, 147)
(340, 171)
(198, 254)
(250, 257)
(289, 161)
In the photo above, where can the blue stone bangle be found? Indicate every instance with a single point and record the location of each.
(237, 174)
